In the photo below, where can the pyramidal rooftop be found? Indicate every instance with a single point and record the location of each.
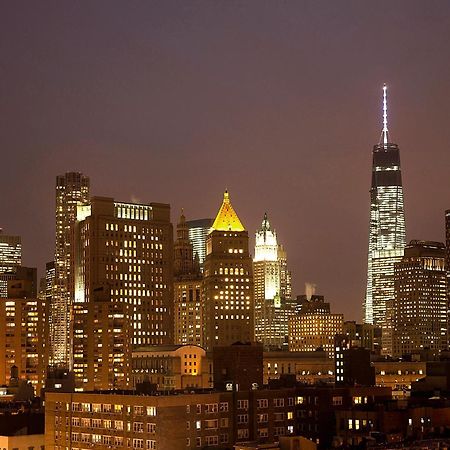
(227, 219)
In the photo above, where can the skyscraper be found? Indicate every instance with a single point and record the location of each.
(420, 302)
(123, 288)
(198, 232)
(71, 189)
(228, 282)
(272, 287)
(10, 260)
(387, 229)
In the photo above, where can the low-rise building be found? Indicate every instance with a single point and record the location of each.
(172, 367)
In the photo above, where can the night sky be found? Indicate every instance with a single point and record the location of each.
(278, 101)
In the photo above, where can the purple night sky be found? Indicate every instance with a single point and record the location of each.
(278, 101)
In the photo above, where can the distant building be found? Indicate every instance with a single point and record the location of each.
(352, 364)
(314, 304)
(386, 231)
(420, 305)
(10, 259)
(22, 334)
(238, 365)
(188, 304)
(228, 281)
(308, 367)
(123, 288)
(314, 326)
(272, 283)
(360, 334)
(72, 189)
(198, 232)
(172, 367)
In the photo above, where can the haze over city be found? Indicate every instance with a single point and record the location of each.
(280, 103)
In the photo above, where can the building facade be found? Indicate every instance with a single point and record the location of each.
(387, 236)
(309, 332)
(188, 305)
(10, 259)
(228, 281)
(272, 284)
(420, 304)
(198, 232)
(72, 189)
(123, 287)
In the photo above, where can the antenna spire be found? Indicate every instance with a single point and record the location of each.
(385, 132)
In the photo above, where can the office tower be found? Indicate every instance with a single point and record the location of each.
(10, 259)
(420, 302)
(188, 314)
(198, 232)
(312, 304)
(314, 326)
(123, 287)
(360, 334)
(352, 364)
(447, 251)
(309, 332)
(228, 281)
(71, 189)
(22, 331)
(387, 230)
(272, 286)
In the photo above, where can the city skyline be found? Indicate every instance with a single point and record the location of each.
(289, 132)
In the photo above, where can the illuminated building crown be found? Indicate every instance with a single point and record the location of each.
(266, 245)
(227, 219)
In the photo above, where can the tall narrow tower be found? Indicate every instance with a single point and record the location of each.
(272, 288)
(387, 229)
(228, 282)
(71, 190)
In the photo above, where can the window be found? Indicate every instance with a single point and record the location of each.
(138, 427)
(224, 438)
(279, 431)
(224, 422)
(199, 409)
(300, 400)
(337, 400)
(262, 418)
(212, 440)
(262, 403)
(151, 427)
(279, 417)
(150, 445)
(242, 404)
(242, 433)
(242, 418)
(151, 410)
(198, 442)
(211, 408)
(138, 443)
(211, 424)
(263, 432)
(278, 402)
(223, 406)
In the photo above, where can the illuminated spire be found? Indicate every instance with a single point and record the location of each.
(227, 219)
(385, 132)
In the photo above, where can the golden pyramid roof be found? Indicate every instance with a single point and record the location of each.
(227, 219)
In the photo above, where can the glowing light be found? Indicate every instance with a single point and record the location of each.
(385, 127)
(227, 219)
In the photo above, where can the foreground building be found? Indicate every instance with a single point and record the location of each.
(420, 304)
(273, 306)
(123, 288)
(386, 232)
(228, 281)
(198, 420)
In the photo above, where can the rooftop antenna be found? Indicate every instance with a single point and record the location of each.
(385, 132)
